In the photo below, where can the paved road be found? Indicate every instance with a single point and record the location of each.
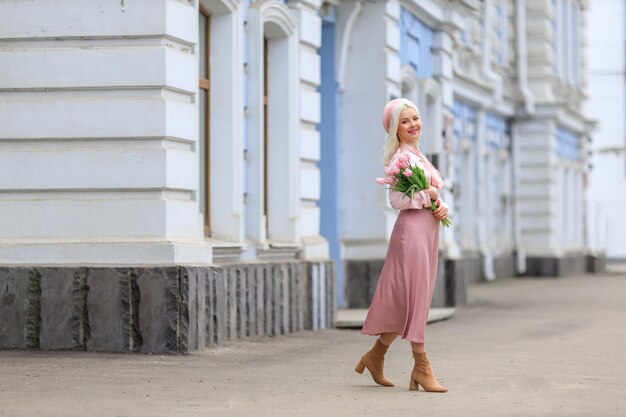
(521, 347)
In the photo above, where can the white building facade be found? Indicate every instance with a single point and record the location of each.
(177, 173)
(500, 85)
(166, 148)
(606, 203)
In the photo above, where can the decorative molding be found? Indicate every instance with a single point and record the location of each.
(487, 51)
(220, 6)
(345, 44)
(472, 4)
(429, 87)
(407, 77)
(427, 11)
(430, 90)
(416, 43)
(281, 224)
(276, 12)
(522, 58)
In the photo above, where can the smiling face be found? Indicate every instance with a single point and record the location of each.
(409, 126)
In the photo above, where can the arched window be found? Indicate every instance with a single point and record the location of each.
(466, 203)
(273, 115)
(566, 39)
(220, 107)
(431, 108)
(425, 94)
(409, 84)
(204, 106)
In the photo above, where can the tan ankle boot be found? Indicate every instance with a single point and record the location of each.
(423, 375)
(374, 361)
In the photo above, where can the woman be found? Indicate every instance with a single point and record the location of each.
(402, 299)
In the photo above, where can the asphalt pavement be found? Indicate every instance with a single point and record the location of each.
(520, 347)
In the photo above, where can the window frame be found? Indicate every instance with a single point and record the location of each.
(204, 87)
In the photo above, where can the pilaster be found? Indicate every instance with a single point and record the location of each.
(314, 246)
(540, 54)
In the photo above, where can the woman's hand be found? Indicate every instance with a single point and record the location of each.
(441, 212)
(433, 192)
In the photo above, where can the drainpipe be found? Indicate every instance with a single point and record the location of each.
(522, 59)
(529, 110)
(496, 81)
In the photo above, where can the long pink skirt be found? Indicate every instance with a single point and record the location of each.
(407, 282)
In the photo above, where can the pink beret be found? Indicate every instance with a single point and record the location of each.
(390, 107)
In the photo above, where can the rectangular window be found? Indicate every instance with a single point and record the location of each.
(416, 44)
(565, 38)
(555, 37)
(204, 200)
(265, 126)
(465, 172)
(568, 145)
(434, 159)
(463, 37)
(575, 44)
(502, 33)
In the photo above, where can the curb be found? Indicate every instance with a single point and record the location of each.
(353, 318)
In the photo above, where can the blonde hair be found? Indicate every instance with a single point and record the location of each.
(392, 142)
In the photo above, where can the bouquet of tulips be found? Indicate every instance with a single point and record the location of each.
(406, 178)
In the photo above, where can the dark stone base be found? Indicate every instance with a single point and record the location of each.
(174, 309)
(460, 273)
(440, 295)
(596, 263)
(469, 270)
(453, 277)
(504, 265)
(469, 267)
(362, 278)
(556, 267)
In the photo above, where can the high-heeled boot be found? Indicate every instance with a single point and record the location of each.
(423, 375)
(374, 361)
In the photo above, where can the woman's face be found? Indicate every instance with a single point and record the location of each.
(409, 127)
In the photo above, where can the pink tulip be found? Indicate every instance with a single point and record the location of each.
(394, 169)
(407, 172)
(391, 181)
(381, 181)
